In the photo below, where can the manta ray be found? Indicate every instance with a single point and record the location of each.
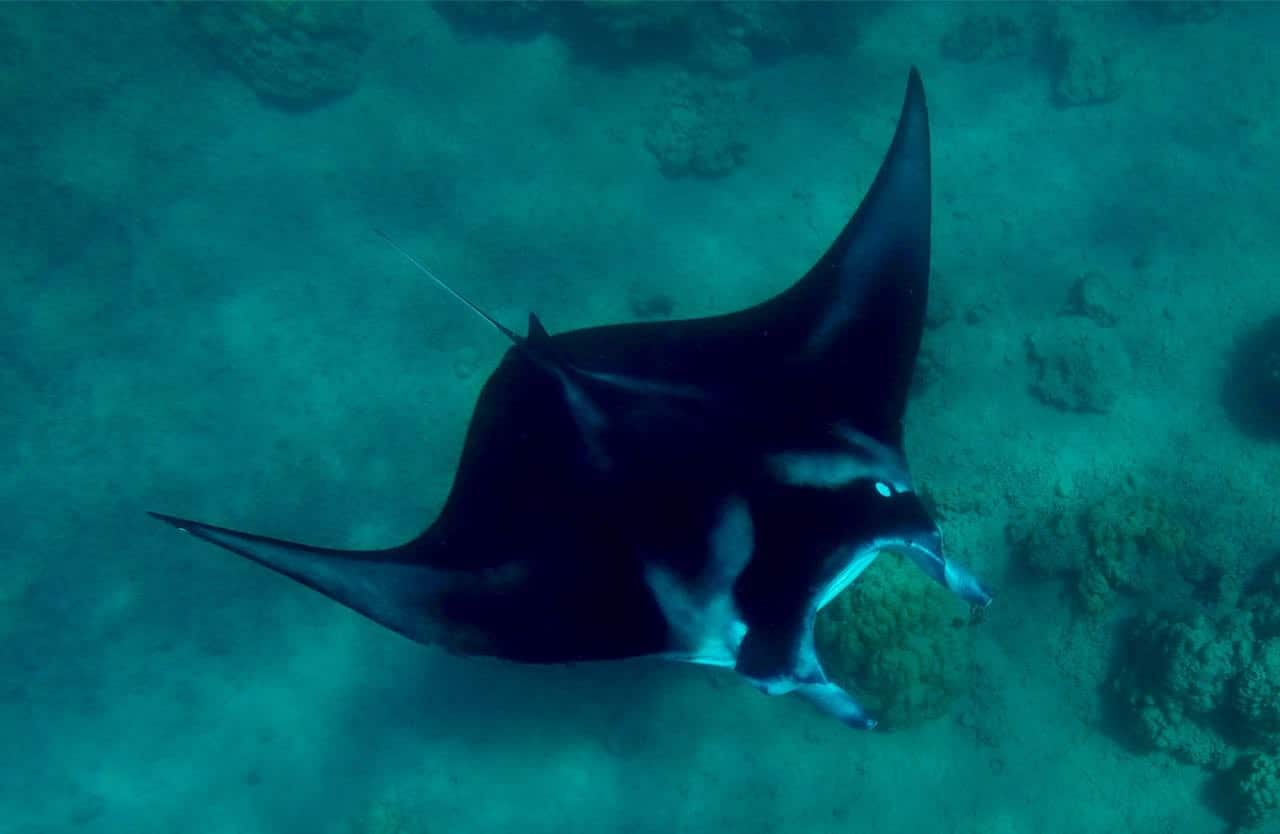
(694, 490)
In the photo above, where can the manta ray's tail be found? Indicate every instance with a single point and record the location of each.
(384, 585)
(536, 344)
(440, 282)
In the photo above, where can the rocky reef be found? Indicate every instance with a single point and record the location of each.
(293, 54)
(1081, 54)
(1079, 362)
(700, 130)
(1204, 686)
(720, 38)
(1253, 789)
(1125, 541)
(1078, 366)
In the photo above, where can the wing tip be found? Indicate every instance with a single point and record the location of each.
(172, 521)
(915, 83)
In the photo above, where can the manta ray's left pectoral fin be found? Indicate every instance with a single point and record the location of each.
(394, 592)
(837, 703)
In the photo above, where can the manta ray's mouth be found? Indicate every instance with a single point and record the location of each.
(925, 551)
(861, 559)
(895, 640)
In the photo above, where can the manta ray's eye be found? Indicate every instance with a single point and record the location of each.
(883, 489)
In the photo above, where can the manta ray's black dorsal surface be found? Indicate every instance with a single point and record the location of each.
(694, 490)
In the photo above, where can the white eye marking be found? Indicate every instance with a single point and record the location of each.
(883, 489)
(818, 469)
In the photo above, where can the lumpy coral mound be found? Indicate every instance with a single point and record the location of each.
(898, 641)
(1256, 700)
(700, 131)
(1205, 687)
(1125, 541)
(1255, 789)
(293, 54)
(1079, 366)
(1177, 673)
(727, 39)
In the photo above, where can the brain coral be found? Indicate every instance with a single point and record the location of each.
(893, 638)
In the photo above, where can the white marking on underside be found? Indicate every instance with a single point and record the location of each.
(821, 469)
(862, 458)
(645, 386)
(589, 418)
(885, 459)
(705, 623)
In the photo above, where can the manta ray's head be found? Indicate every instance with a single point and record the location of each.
(864, 490)
(880, 516)
(892, 517)
(851, 501)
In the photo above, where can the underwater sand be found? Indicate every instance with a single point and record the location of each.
(219, 334)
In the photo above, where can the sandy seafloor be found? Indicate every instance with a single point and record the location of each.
(205, 324)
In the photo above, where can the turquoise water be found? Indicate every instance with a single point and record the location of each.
(199, 319)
